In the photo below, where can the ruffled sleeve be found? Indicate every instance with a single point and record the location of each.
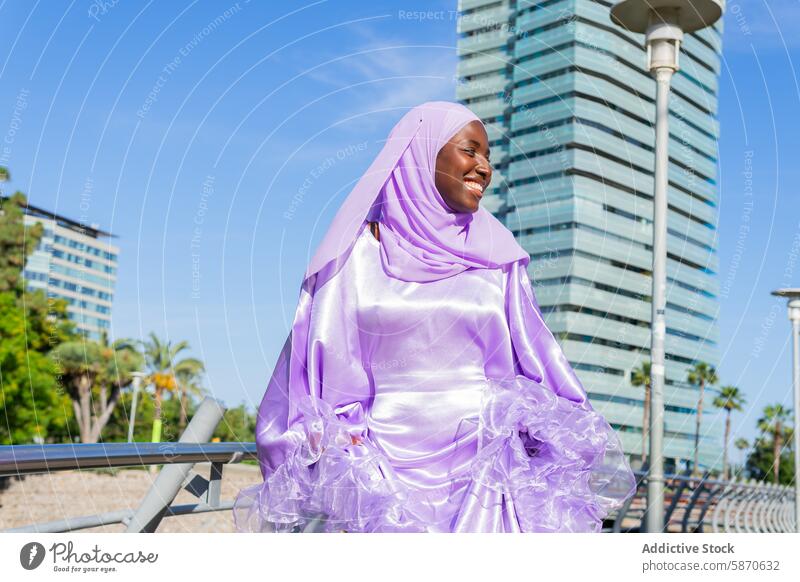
(556, 461)
(541, 441)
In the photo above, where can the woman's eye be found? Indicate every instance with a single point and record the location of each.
(470, 151)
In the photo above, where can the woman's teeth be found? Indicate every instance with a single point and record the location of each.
(474, 186)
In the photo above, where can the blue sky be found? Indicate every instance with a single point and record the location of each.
(216, 139)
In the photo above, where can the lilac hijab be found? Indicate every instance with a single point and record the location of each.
(421, 238)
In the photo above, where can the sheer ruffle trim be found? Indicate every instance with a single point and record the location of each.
(557, 464)
(333, 480)
(558, 460)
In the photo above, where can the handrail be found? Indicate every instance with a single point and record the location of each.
(700, 502)
(28, 459)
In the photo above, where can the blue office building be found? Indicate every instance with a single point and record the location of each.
(74, 262)
(570, 111)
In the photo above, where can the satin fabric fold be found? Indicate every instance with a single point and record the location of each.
(440, 406)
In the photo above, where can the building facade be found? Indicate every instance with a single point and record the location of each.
(74, 262)
(570, 111)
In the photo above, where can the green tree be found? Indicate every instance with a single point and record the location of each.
(760, 464)
(774, 423)
(33, 407)
(701, 375)
(729, 399)
(641, 377)
(163, 367)
(16, 242)
(117, 428)
(237, 425)
(95, 373)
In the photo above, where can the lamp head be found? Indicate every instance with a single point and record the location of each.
(692, 15)
(793, 295)
(663, 22)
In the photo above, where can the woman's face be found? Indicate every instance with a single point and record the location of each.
(463, 171)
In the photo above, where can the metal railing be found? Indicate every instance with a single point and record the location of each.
(705, 505)
(178, 460)
(693, 504)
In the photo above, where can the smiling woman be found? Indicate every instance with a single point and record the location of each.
(419, 388)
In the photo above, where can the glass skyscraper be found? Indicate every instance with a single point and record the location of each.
(570, 111)
(74, 263)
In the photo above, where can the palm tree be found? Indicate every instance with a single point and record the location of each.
(701, 375)
(163, 368)
(641, 377)
(729, 399)
(774, 423)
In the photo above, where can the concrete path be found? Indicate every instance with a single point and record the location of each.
(41, 498)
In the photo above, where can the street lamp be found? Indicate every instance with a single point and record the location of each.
(794, 317)
(663, 22)
(137, 382)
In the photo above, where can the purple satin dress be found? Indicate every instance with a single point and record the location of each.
(422, 420)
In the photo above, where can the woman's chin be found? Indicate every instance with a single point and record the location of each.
(474, 205)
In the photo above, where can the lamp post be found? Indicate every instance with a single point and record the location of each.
(794, 317)
(663, 22)
(137, 383)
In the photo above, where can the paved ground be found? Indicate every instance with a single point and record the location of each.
(41, 498)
